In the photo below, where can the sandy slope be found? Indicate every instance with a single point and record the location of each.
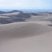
(25, 37)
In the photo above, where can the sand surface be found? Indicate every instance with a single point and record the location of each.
(26, 37)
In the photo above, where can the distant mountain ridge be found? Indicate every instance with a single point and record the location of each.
(24, 11)
(12, 11)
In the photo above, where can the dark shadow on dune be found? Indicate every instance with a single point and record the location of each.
(14, 18)
(50, 20)
(50, 25)
(8, 17)
(5, 19)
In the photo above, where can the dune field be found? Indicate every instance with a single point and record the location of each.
(26, 37)
(25, 32)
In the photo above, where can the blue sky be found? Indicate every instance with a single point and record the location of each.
(25, 4)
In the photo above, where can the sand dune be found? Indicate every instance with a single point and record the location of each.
(25, 37)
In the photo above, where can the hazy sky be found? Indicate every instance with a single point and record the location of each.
(25, 4)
